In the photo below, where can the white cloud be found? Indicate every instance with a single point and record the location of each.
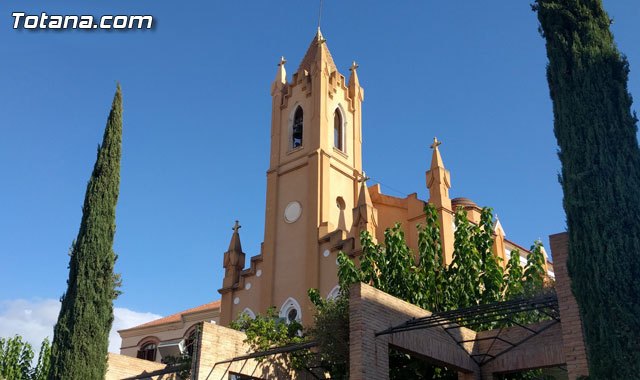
(124, 319)
(34, 320)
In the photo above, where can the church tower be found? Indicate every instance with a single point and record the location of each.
(313, 185)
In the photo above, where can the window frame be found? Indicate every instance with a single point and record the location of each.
(287, 307)
(340, 128)
(292, 125)
(143, 353)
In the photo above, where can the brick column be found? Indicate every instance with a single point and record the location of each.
(572, 339)
(368, 355)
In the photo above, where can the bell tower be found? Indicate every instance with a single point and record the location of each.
(313, 176)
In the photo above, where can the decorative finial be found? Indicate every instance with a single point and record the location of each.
(236, 227)
(319, 16)
(363, 177)
(282, 61)
(354, 66)
(436, 143)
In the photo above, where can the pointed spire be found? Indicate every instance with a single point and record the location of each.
(354, 83)
(281, 76)
(364, 198)
(317, 51)
(436, 158)
(234, 244)
(365, 214)
(438, 179)
(498, 229)
(233, 261)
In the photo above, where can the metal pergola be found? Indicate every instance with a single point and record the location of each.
(499, 314)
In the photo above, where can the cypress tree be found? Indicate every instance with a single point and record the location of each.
(596, 133)
(81, 335)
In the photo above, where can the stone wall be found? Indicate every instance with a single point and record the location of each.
(124, 367)
(574, 348)
(218, 344)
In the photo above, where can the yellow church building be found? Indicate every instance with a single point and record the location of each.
(317, 204)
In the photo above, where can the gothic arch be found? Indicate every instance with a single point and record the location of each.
(339, 129)
(334, 293)
(287, 308)
(296, 127)
(249, 313)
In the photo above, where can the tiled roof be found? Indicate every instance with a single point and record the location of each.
(178, 316)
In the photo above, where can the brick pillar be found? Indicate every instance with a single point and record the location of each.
(572, 339)
(471, 376)
(368, 355)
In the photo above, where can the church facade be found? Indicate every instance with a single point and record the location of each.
(317, 204)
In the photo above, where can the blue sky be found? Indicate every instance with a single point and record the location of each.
(197, 118)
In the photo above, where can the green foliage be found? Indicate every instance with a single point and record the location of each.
(405, 366)
(464, 271)
(598, 148)
(269, 331)
(331, 331)
(16, 358)
(81, 335)
(513, 277)
(431, 270)
(534, 374)
(41, 371)
(181, 364)
(474, 277)
(534, 273)
(491, 273)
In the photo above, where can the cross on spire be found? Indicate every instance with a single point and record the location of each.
(236, 227)
(354, 66)
(282, 61)
(363, 177)
(436, 143)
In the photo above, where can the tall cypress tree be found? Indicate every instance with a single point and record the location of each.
(596, 133)
(81, 335)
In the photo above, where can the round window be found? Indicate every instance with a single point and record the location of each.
(292, 212)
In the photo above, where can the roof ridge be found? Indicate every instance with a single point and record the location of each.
(177, 316)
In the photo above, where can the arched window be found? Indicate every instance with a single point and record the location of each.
(334, 293)
(290, 311)
(338, 130)
(297, 128)
(249, 313)
(147, 351)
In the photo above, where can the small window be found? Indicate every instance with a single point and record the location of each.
(147, 352)
(290, 311)
(297, 128)
(334, 293)
(338, 135)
